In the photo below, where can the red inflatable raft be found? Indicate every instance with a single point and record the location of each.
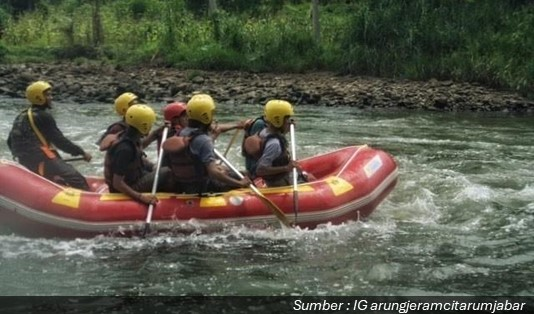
(350, 183)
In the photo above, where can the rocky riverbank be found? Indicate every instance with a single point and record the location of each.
(86, 83)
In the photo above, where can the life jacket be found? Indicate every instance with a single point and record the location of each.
(180, 159)
(26, 140)
(48, 150)
(115, 128)
(109, 140)
(255, 145)
(175, 130)
(136, 168)
(247, 133)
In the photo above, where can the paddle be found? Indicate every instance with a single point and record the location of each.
(295, 174)
(232, 140)
(73, 159)
(267, 202)
(155, 184)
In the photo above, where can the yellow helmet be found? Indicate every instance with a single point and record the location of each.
(35, 92)
(276, 111)
(140, 117)
(200, 108)
(123, 102)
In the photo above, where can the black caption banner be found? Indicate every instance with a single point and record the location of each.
(258, 304)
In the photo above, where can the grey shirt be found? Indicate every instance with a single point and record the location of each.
(201, 146)
(272, 150)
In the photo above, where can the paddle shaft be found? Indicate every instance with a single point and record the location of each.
(232, 140)
(73, 159)
(155, 184)
(272, 206)
(295, 173)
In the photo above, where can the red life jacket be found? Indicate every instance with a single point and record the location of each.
(115, 128)
(109, 140)
(180, 159)
(255, 145)
(248, 133)
(175, 130)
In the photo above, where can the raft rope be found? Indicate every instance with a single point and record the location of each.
(350, 159)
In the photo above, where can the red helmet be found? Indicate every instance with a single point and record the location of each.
(173, 110)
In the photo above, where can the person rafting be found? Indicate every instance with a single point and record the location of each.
(176, 119)
(125, 168)
(35, 138)
(191, 154)
(270, 146)
(252, 127)
(122, 103)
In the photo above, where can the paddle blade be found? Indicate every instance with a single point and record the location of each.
(145, 230)
(272, 206)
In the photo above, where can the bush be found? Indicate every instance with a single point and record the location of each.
(476, 41)
(487, 42)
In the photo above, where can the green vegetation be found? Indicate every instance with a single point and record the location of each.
(484, 41)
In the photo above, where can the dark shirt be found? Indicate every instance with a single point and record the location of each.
(125, 158)
(123, 155)
(25, 144)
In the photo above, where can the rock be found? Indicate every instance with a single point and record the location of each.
(103, 83)
(441, 103)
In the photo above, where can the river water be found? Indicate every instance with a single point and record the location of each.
(459, 222)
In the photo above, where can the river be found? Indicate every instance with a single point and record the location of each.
(459, 222)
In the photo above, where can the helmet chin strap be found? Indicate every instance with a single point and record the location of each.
(273, 128)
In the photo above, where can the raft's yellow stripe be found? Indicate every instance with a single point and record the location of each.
(114, 197)
(212, 201)
(123, 197)
(338, 185)
(68, 197)
(288, 189)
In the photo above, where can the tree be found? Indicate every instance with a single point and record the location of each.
(212, 7)
(316, 24)
(98, 34)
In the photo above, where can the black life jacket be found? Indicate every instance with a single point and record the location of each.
(24, 142)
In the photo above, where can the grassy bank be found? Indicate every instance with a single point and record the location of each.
(484, 41)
